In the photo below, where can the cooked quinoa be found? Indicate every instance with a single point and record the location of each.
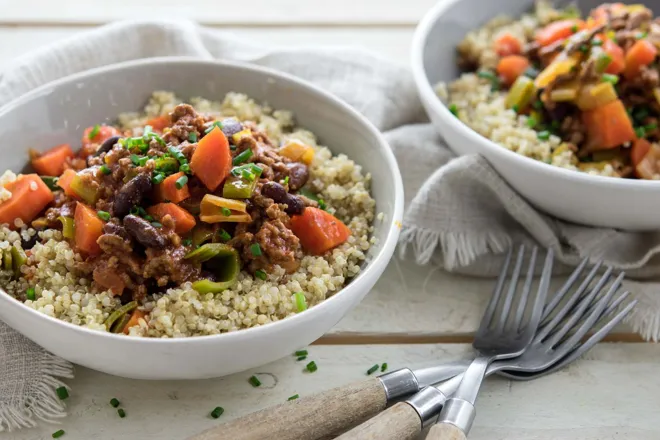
(63, 293)
(554, 130)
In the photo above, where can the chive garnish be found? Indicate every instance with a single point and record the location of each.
(30, 294)
(215, 124)
(224, 235)
(225, 211)
(294, 397)
(181, 182)
(531, 121)
(286, 180)
(121, 413)
(640, 132)
(50, 181)
(543, 135)
(103, 215)
(156, 225)
(148, 218)
(62, 393)
(58, 434)
(453, 108)
(95, 131)
(192, 137)
(105, 169)
(584, 48)
(515, 108)
(185, 168)
(613, 79)
(139, 161)
(372, 370)
(254, 381)
(178, 155)
(383, 367)
(322, 205)
(650, 127)
(311, 367)
(260, 274)
(301, 303)
(538, 105)
(596, 42)
(187, 242)
(158, 178)
(301, 358)
(574, 28)
(301, 353)
(217, 412)
(255, 249)
(114, 402)
(242, 157)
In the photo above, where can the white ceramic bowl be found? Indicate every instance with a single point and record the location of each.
(570, 195)
(59, 111)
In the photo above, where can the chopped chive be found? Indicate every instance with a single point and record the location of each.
(215, 124)
(372, 370)
(543, 135)
(596, 42)
(178, 155)
(148, 218)
(181, 182)
(453, 109)
(192, 137)
(515, 108)
(311, 367)
(105, 169)
(640, 114)
(301, 302)
(62, 393)
(603, 60)
(322, 205)
(613, 79)
(185, 168)
(301, 353)
(58, 434)
(187, 242)
(217, 412)
(225, 211)
(383, 367)
(242, 157)
(30, 294)
(254, 381)
(114, 402)
(641, 35)
(260, 274)
(538, 105)
(584, 48)
(51, 182)
(531, 122)
(156, 225)
(121, 413)
(255, 249)
(95, 131)
(158, 178)
(294, 397)
(286, 180)
(301, 358)
(640, 132)
(487, 74)
(103, 215)
(650, 127)
(224, 235)
(147, 130)
(574, 28)
(555, 125)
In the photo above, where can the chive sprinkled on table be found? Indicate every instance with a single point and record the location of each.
(114, 402)
(311, 367)
(217, 412)
(383, 367)
(254, 381)
(301, 353)
(372, 370)
(58, 434)
(121, 412)
(294, 397)
(62, 393)
(301, 358)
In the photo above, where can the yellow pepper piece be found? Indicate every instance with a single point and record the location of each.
(297, 151)
(596, 95)
(560, 66)
(238, 136)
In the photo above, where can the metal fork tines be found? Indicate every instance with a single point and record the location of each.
(502, 333)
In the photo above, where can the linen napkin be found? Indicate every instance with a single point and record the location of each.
(460, 213)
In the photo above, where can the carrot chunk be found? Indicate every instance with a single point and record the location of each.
(506, 44)
(89, 227)
(641, 54)
(135, 319)
(29, 196)
(558, 30)
(211, 161)
(608, 126)
(639, 149)
(168, 192)
(159, 123)
(318, 230)
(511, 67)
(64, 182)
(97, 134)
(183, 220)
(615, 52)
(52, 162)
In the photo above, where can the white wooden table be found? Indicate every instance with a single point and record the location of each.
(414, 317)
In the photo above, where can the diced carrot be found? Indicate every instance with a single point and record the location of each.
(318, 230)
(608, 126)
(159, 123)
(52, 162)
(615, 52)
(507, 44)
(511, 67)
(89, 227)
(168, 192)
(135, 319)
(108, 278)
(104, 132)
(639, 149)
(642, 53)
(64, 182)
(211, 161)
(601, 12)
(29, 196)
(558, 30)
(183, 220)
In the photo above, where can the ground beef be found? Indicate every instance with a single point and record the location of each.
(110, 275)
(279, 244)
(185, 120)
(573, 130)
(167, 266)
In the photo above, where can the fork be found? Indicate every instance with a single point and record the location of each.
(497, 338)
(544, 355)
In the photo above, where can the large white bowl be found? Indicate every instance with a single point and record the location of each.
(59, 111)
(570, 195)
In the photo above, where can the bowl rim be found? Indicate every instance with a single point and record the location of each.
(438, 107)
(379, 260)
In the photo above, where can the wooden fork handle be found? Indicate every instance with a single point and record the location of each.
(400, 422)
(310, 418)
(445, 431)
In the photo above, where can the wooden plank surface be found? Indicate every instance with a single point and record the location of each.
(246, 12)
(592, 399)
